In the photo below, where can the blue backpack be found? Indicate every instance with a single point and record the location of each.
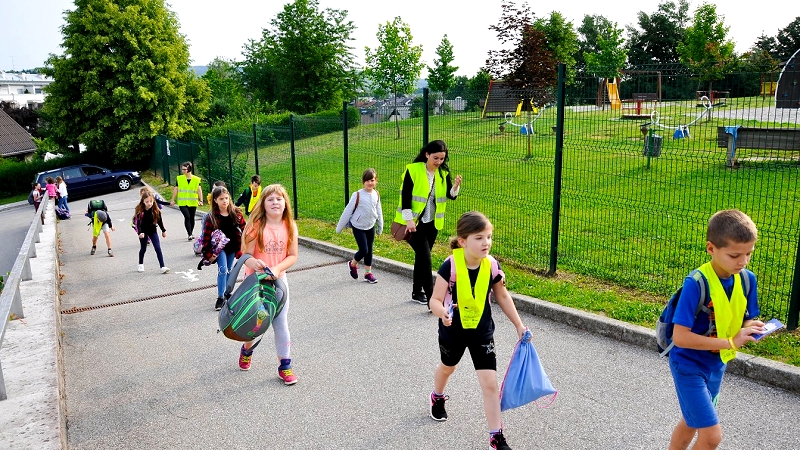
(664, 326)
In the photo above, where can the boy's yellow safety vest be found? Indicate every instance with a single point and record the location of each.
(421, 191)
(187, 191)
(253, 199)
(728, 313)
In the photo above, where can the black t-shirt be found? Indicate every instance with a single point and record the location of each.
(228, 226)
(485, 328)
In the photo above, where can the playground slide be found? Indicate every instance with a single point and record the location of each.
(613, 95)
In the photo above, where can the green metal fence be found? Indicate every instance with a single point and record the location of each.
(638, 175)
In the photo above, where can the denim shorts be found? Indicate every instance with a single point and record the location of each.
(698, 392)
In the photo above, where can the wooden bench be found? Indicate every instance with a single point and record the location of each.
(757, 138)
(635, 103)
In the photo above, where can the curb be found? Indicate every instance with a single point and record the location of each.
(761, 370)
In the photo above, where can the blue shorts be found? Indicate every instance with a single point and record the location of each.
(698, 393)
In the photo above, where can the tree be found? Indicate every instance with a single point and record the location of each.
(27, 118)
(442, 75)
(459, 87)
(306, 57)
(227, 92)
(591, 27)
(658, 34)
(529, 65)
(705, 48)
(562, 40)
(395, 65)
(123, 78)
(788, 40)
(610, 56)
(477, 87)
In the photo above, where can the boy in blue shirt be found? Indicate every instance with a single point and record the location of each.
(699, 358)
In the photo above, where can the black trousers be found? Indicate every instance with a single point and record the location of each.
(422, 242)
(188, 218)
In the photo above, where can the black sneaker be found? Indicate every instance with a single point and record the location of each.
(498, 442)
(218, 305)
(420, 298)
(437, 408)
(94, 249)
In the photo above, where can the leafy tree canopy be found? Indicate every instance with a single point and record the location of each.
(658, 34)
(788, 40)
(442, 75)
(705, 48)
(591, 28)
(610, 56)
(394, 66)
(304, 60)
(123, 78)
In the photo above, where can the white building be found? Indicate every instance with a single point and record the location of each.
(24, 89)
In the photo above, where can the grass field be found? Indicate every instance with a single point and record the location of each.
(630, 228)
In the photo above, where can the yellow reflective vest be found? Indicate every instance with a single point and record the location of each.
(420, 193)
(187, 191)
(729, 313)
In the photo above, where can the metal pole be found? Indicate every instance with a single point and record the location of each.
(649, 146)
(255, 146)
(346, 151)
(559, 159)
(230, 160)
(794, 299)
(294, 164)
(425, 135)
(208, 156)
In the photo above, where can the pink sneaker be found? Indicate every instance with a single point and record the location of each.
(353, 270)
(370, 278)
(287, 375)
(244, 359)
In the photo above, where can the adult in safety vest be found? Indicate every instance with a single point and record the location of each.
(188, 195)
(426, 186)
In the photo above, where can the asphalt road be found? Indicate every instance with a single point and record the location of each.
(14, 223)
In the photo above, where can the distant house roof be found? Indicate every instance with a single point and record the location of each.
(14, 140)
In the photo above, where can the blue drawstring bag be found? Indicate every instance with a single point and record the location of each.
(525, 380)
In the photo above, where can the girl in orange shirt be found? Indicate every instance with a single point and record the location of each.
(271, 238)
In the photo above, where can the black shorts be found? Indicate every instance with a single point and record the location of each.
(482, 353)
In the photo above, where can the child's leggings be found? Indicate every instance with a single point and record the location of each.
(156, 246)
(280, 326)
(225, 264)
(188, 218)
(364, 239)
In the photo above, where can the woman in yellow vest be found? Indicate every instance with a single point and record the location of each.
(426, 186)
(188, 194)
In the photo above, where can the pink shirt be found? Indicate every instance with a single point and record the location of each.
(275, 247)
(51, 190)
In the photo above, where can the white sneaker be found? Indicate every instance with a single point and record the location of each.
(140, 268)
(165, 270)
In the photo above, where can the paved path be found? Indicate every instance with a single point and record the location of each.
(145, 368)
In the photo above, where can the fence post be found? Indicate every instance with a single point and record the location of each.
(230, 161)
(208, 157)
(425, 93)
(255, 146)
(557, 171)
(346, 161)
(794, 298)
(294, 164)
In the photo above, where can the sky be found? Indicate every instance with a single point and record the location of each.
(220, 29)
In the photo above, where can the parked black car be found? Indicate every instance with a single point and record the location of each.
(85, 179)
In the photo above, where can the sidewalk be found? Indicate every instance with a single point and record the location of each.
(145, 368)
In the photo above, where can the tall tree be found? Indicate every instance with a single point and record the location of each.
(442, 75)
(591, 27)
(562, 40)
(528, 65)
(705, 48)
(123, 78)
(394, 66)
(658, 34)
(306, 53)
(610, 56)
(788, 40)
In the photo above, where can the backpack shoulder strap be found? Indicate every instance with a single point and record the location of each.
(703, 287)
(495, 268)
(358, 197)
(234, 274)
(745, 282)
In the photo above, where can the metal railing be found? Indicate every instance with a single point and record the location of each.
(10, 298)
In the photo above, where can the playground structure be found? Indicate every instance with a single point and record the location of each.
(504, 99)
(680, 131)
(636, 105)
(787, 94)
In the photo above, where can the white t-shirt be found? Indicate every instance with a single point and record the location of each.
(62, 189)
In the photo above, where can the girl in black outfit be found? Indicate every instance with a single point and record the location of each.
(144, 223)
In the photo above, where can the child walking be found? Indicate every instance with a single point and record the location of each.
(699, 358)
(50, 187)
(362, 213)
(465, 318)
(229, 220)
(271, 237)
(144, 223)
(61, 188)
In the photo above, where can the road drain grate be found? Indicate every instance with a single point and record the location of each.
(75, 310)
